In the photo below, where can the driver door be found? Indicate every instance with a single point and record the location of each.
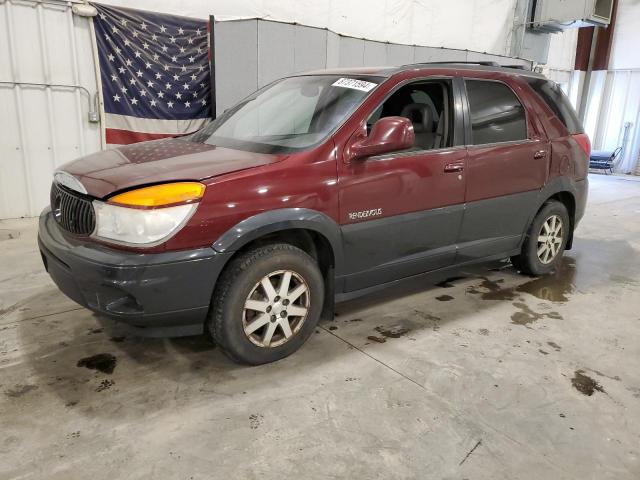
(401, 212)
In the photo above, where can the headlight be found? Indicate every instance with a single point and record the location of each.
(147, 216)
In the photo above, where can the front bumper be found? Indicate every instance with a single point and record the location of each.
(167, 294)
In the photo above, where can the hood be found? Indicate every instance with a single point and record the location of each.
(166, 160)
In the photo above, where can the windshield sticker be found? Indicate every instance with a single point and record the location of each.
(354, 84)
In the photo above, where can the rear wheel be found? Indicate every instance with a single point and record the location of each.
(267, 303)
(545, 241)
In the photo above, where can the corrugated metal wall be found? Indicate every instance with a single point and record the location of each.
(614, 100)
(47, 85)
(251, 53)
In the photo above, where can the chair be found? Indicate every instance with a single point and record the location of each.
(603, 159)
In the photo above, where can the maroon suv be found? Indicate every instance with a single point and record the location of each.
(319, 187)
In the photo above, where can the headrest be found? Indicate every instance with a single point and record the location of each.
(420, 116)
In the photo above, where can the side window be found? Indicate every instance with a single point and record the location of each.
(558, 102)
(429, 107)
(496, 113)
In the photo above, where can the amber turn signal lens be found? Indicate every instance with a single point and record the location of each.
(161, 195)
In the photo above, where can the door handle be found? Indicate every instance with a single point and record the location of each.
(540, 154)
(454, 167)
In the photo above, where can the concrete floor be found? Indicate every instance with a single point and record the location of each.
(490, 376)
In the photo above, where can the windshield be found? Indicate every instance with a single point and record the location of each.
(291, 114)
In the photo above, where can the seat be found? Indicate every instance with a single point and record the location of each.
(422, 119)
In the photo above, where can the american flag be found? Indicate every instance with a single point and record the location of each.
(155, 74)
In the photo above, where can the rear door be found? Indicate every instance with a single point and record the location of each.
(507, 165)
(400, 213)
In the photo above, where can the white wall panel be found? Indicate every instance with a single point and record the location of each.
(482, 25)
(626, 36)
(613, 100)
(252, 49)
(399, 54)
(45, 54)
(236, 61)
(275, 50)
(310, 46)
(430, 54)
(351, 52)
(333, 49)
(375, 53)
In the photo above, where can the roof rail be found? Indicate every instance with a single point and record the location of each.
(486, 63)
(518, 66)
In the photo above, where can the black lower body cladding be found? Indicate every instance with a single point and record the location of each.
(164, 293)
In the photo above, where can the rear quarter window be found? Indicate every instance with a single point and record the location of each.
(558, 102)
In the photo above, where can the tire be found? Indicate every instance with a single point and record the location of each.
(529, 262)
(242, 288)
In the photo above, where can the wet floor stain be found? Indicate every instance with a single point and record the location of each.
(373, 338)
(105, 385)
(426, 320)
(19, 390)
(255, 420)
(526, 316)
(102, 362)
(395, 331)
(585, 384)
(555, 287)
(555, 346)
(9, 234)
(444, 298)
(448, 282)
(491, 289)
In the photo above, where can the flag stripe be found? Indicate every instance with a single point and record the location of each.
(125, 137)
(154, 125)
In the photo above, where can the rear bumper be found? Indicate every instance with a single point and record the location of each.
(162, 293)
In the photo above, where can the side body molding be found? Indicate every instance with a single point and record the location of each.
(272, 221)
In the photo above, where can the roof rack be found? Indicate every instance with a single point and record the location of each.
(518, 66)
(486, 63)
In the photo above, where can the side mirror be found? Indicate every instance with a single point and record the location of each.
(388, 134)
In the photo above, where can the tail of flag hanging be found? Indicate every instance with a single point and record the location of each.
(155, 74)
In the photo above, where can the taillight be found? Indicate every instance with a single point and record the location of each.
(583, 140)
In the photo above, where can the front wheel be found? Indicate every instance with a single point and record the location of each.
(267, 303)
(545, 241)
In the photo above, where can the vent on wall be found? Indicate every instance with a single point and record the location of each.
(556, 15)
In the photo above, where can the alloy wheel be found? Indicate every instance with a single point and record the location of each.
(550, 239)
(276, 308)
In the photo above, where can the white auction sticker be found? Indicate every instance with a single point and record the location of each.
(353, 83)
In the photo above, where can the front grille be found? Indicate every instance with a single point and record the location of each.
(73, 211)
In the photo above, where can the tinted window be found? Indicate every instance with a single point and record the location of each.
(496, 113)
(553, 96)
